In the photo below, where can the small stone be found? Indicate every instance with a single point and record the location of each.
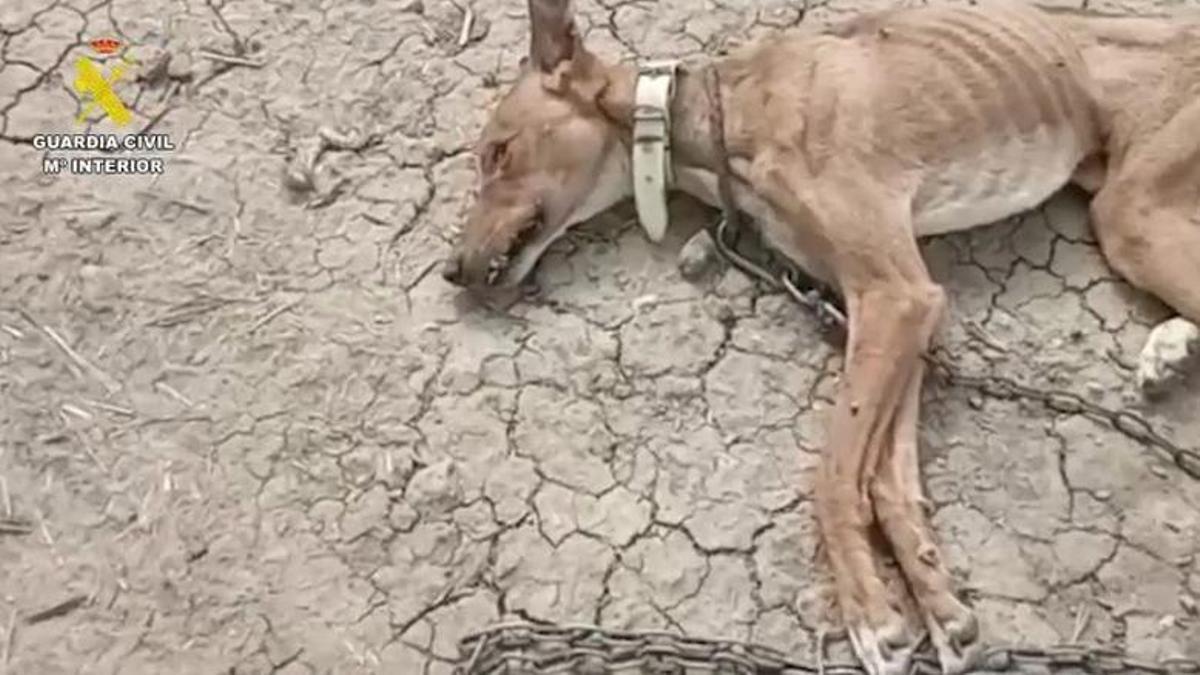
(1103, 495)
(644, 301)
(435, 489)
(153, 67)
(100, 287)
(1168, 353)
(697, 257)
(95, 220)
(1188, 603)
(724, 312)
(358, 466)
(975, 401)
(364, 513)
(298, 179)
(1167, 622)
(398, 467)
(621, 391)
(1159, 471)
(402, 516)
(179, 66)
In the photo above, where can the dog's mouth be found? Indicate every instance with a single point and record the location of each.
(506, 269)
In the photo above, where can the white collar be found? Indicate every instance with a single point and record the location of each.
(652, 175)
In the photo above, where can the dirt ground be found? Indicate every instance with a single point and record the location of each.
(246, 427)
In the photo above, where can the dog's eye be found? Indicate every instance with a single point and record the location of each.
(493, 157)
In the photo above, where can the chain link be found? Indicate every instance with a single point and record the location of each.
(540, 649)
(1125, 421)
(831, 317)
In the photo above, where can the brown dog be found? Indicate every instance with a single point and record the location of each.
(846, 144)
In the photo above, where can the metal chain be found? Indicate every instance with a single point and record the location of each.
(1125, 421)
(538, 649)
(831, 316)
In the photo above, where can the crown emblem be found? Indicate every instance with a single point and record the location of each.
(106, 45)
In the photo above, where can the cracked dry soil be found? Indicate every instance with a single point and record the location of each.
(245, 429)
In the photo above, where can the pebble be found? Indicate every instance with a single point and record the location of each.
(180, 66)
(644, 301)
(1188, 603)
(435, 488)
(101, 286)
(402, 516)
(698, 257)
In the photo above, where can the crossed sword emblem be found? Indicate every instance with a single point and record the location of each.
(91, 82)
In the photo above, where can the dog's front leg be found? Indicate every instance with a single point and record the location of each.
(860, 229)
(881, 359)
(899, 507)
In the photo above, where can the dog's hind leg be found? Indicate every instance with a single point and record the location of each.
(1147, 218)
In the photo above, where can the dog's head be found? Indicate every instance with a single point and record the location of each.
(552, 154)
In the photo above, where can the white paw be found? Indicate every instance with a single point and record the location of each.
(1170, 347)
(884, 651)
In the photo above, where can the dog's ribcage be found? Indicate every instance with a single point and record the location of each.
(993, 103)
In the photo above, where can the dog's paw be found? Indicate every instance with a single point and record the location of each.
(1169, 350)
(956, 639)
(698, 257)
(886, 649)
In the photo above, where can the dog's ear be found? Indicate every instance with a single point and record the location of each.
(552, 34)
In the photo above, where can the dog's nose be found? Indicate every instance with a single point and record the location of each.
(452, 270)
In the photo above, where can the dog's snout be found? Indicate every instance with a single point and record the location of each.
(452, 269)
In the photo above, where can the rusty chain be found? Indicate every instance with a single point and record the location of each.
(817, 300)
(540, 649)
(1126, 422)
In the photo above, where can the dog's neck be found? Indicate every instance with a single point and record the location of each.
(692, 141)
(694, 156)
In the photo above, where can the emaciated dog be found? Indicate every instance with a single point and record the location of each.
(846, 144)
